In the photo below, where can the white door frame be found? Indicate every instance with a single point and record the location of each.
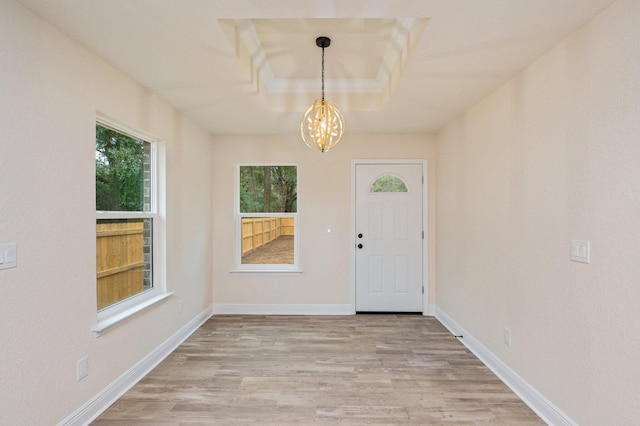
(425, 223)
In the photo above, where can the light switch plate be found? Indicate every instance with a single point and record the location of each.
(83, 368)
(507, 336)
(8, 256)
(580, 251)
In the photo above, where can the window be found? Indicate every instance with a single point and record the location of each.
(267, 214)
(389, 183)
(126, 218)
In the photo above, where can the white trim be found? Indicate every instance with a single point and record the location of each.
(544, 408)
(430, 311)
(266, 271)
(116, 313)
(101, 401)
(426, 308)
(392, 62)
(102, 326)
(284, 309)
(238, 215)
(100, 214)
(106, 121)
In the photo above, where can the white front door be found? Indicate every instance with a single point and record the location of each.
(388, 237)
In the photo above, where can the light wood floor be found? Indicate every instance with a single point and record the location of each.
(300, 370)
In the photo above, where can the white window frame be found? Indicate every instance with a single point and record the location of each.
(265, 268)
(114, 314)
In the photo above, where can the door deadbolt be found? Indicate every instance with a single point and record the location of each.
(359, 235)
(359, 246)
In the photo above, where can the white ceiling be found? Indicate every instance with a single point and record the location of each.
(252, 67)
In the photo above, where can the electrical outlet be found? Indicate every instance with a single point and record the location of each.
(507, 336)
(83, 368)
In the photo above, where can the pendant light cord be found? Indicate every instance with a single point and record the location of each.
(323, 74)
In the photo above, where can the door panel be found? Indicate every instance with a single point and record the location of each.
(389, 218)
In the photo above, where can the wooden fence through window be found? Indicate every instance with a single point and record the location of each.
(119, 261)
(258, 231)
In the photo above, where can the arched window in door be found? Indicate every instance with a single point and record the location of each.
(388, 183)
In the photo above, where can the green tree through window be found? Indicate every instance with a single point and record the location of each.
(388, 183)
(268, 189)
(119, 171)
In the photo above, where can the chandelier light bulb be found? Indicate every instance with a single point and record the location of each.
(322, 126)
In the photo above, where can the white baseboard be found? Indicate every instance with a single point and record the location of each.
(544, 408)
(286, 309)
(430, 311)
(291, 309)
(100, 402)
(261, 309)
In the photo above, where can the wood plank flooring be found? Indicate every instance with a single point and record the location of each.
(302, 370)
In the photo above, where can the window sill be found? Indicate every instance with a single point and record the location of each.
(107, 324)
(267, 271)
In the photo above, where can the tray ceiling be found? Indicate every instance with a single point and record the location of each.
(252, 67)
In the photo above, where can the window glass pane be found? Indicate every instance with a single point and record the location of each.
(124, 260)
(123, 172)
(268, 240)
(268, 189)
(389, 184)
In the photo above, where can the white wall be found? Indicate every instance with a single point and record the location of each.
(324, 198)
(50, 89)
(551, 156)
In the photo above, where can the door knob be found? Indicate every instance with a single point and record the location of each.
(359, 246)
(359, 235)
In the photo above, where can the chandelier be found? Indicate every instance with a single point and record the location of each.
(323, 124)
